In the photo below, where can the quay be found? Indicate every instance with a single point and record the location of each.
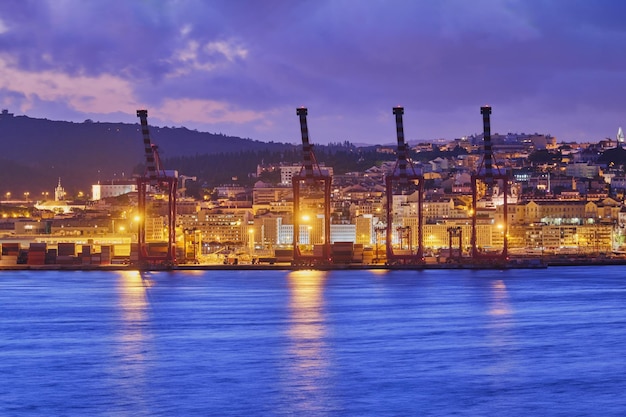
(514, 264)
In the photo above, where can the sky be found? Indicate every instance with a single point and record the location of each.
(242, 67)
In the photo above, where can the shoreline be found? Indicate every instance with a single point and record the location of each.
(332, 267)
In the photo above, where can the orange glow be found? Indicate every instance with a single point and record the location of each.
(132, 291)
(306, 302)
(307, 332)
(132, 336)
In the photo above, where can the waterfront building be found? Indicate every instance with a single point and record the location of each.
(224, 226)
(155, 228)
(343, 233)
(553, 211)
(364, 229)
(563, 239)
(437, 236)
(266, 230)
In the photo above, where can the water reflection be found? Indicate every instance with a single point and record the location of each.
(499, 300)
(132, 301)
(500, 327)
(132, 336)
(308, 366)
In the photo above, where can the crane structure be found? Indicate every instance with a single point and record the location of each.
(404, 182)
(485, 184)
(158, 180)
(311, 191)
(455, 232)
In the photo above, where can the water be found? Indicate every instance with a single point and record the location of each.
(342, 343)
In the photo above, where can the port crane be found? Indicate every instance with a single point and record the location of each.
(160, 181)
(484, 184)
(404, 180)
(311, 185)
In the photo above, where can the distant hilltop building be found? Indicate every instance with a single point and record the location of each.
(59, 192)
(620, 138)
(536, 140)
(5, 114)
(287, 172)
(112, 188)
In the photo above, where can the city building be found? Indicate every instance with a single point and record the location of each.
(113, 188)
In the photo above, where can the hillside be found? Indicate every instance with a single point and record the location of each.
(36, 152)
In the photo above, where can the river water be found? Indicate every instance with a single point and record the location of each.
(307, 343)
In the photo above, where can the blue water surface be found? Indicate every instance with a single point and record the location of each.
(308, 343)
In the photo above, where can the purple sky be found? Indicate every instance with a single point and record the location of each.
(242, 67)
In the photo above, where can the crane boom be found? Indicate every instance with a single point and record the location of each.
(151, 168)
(310, 166)
(486, 111)
(402, 148)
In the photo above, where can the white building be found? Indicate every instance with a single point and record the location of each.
(59, 192)
(112, 189)
(343, 233)
(287, 172)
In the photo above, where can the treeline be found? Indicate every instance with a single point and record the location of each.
(223, 168)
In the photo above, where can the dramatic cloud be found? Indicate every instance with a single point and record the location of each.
(243, 67)
(90, 94)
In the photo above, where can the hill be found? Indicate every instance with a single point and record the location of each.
(36, 152)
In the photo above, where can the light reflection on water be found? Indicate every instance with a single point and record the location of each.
(309, 363)
(132, 290)
(132, 339)
(500, 328)
(499, 302)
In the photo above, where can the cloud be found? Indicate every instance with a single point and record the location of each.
(205, 58)
(204, 111)
(100, 94)
(229, 49)
(246, 66)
